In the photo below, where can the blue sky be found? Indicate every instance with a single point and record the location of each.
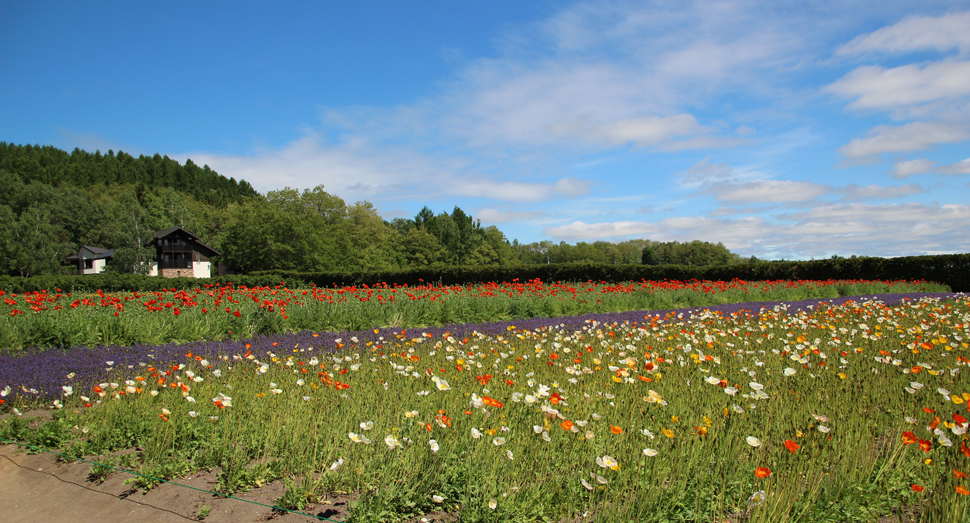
(782, 129)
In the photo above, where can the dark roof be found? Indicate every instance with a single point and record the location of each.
(99, 253)
(165, 232)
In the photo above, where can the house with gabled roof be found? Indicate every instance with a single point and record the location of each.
(90, 260)
(180, 254)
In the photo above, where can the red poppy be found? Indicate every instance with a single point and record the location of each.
(926, 445)
(791, 446)
(909, 438)
(917, 488)
(762, 472)
(959, 419)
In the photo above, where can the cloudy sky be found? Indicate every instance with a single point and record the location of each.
(782, 129)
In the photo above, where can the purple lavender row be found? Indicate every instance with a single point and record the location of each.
(42, 373)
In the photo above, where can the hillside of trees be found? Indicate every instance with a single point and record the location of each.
(52, 166)
(54, 202)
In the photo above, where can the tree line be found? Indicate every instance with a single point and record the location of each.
(54, 202)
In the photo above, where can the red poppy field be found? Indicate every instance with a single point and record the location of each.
(851, 412)
(62, 319)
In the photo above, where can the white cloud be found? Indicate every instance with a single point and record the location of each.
(916, 33)
(768, 191)
(914, 136)
(578, 231)
(879, 192)
(887, 215)
(570, 187)
(706, 173)
(496, 216)
(850, 228)
(875, 87)
(649, 130)
(905, 169)
(961, 167)
(358, 170)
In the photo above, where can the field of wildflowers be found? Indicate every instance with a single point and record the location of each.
(60, 319)
(815, 410)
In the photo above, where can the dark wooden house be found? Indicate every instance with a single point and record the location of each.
(180, 253)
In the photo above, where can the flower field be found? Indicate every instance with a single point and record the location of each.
(60, 319)
(820, 410)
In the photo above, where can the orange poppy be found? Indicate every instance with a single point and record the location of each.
(925, 445)
(962, 490)
(566, 425)
(616, 430)
(791, 446)
(762, 472)
(917, 488)
(959, 475)
(909, 438)
(492, 402)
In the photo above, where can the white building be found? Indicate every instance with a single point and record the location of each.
(91, 260)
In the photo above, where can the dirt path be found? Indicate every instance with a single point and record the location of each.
(36, 487)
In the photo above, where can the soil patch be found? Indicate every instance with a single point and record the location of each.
(38, 487)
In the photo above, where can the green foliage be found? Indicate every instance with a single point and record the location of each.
(152, 475)
(236, 476)
(952, 270)
(53, 434)
(53, 167)
(695, 253)
(307, 231)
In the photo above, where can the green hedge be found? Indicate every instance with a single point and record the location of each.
(949, 269)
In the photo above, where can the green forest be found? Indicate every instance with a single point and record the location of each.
(54, 201)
